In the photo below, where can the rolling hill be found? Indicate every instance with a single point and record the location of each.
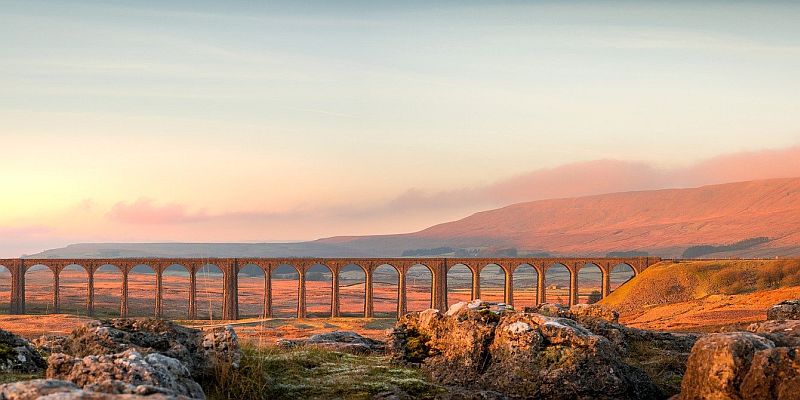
(657, 222)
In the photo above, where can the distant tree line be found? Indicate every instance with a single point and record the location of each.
(702, 250)
(428, 252)
(627, 254)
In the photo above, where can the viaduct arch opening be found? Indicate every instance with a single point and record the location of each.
(459, 284)
(525, 279)
(352, 290)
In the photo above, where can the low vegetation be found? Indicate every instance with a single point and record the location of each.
(672, 282)
(702, 250)
(312, 373)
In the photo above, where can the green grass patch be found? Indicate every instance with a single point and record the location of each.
(380, 323)
(8, 377)
(310, 373)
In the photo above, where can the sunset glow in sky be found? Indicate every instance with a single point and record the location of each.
(218, 121)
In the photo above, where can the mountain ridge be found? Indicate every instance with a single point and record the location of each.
(662, 222)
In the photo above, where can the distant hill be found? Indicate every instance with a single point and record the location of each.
(745, 219)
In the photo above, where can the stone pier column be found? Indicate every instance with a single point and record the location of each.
(606, 290)
(267, 311)
(368, 310)
(230, 291)
(159, 293)
(301, 294)
(541, 297)
(439, 286)
(573, 287)
(476, 284)
(443, 287)
(192, 293)
(17, 288)
(56, 288)
(402, 295)
(123, 298)
(335, 293)
(508, 297)
(90, 299)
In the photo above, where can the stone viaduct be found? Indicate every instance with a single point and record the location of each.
(230, 267)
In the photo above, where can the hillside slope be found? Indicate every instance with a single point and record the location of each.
(658, 222)
(705, 295)
(662, 222)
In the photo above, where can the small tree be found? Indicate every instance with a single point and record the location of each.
(595, 296)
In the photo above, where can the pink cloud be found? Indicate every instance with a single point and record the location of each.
(145, 211)
(415, 209)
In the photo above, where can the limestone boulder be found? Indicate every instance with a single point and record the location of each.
(53, 389)
(342, 341)
(784, 333)
(202, 352)
(520, 355)
(128, 372)
(787, 309)
(18, 355)
(718, 364)
(774, 374)
(580, 312)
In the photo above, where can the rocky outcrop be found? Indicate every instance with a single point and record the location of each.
(522, 355)
(784, 333)
(128, 372)
(787, 309)
(741, 365)
(18, 355)
(201, 352)
(343, 341)
(52, 389)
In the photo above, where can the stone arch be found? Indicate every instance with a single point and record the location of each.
(284, 290)
(493, 283)
(5, 290)
(385, 287)
(209, 297)
(250, 284)
(39, 289)
(319, 281)
(557, 283)
(73, 289)
(459, 283)
(352, 289)
(176, 288)
(107, 290)
(419, 287)
(590, 283)
(525, 280)
(619, 274)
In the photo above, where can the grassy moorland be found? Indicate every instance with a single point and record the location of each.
(311, 373)
(705, 295)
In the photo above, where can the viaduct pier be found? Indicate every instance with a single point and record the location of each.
(230, 268)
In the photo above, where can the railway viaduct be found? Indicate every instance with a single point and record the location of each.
(231, 266)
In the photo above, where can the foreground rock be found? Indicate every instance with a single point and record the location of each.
(63, 390)
(741, 365)
(343, 341)
(522, 355)
(18, 355)
(787, 309)
(128, 372)
(201, 352)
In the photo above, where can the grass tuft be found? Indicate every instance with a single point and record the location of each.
(312, 373)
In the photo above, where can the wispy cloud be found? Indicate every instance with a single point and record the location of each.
(147, 211)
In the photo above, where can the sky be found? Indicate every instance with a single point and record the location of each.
(202, 121)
